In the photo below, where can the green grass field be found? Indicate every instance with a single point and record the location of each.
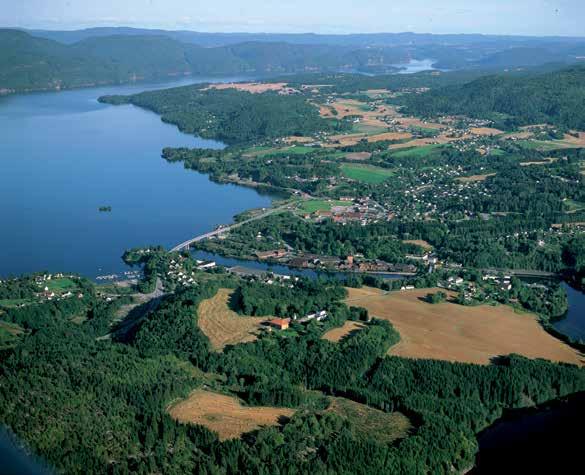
(299, 150)
(368, 129)
(572, 206)
(9, 334)
(366, 174)
(61, 285)
(12, 303)
(320, 205)
(545, 145)
(417, 152)
(497, 152)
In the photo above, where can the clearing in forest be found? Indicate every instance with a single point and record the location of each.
(473, 178)
(487, 131)
(222, 325)
(336, 334)
(254, 87)
(452, 332)
(225, 414)
(385, 427)
(414, 149)
(420, 243)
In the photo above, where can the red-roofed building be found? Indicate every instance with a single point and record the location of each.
(280, 323)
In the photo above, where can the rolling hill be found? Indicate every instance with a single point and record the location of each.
(555, 97)
(31, 63)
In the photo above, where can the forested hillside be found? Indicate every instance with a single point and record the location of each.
(231, 116)
(32, 63)
(92, 405)
(557, 98)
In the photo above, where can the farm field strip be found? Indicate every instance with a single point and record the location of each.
(225, 414)
(222, 325)
(452, 332)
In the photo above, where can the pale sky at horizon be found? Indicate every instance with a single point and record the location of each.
(517, 17)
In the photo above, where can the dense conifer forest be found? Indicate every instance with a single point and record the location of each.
(99, 406)
(556, 98)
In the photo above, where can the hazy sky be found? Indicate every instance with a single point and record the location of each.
(523, 17)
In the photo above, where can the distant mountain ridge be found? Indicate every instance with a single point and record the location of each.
(351, 39)
(31, 63)
(43, 60)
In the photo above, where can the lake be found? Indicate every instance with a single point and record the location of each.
(63, 155)
(416, 66)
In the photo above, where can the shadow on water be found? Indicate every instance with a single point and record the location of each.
(535, 440)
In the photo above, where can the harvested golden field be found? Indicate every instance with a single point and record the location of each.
(345, 140)
(518, 135)
(440, 139)
(419, 242)
(389, 136)
(472, 178)
(485, 131)
(342, 108)
(415, 122)
(225, 414)
(254, 87)
(222, 325)
(337, 334)
(578, 141)
(300, 139)
(385, 427)
(454, 332)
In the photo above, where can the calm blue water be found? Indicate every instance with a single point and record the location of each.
(416, 66)
(63, 155)
(573, 324)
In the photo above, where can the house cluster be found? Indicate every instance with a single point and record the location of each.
(48, 294)
(40, 279)
(351, 263)
(284, 323)
(361, 210)
(180, 274)
(504, 282)
(260, 275)
(491, 288)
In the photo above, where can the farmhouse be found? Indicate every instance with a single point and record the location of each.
(280, 323)
(319, 316)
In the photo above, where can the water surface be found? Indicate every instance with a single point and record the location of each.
(63, 155)
(573, 325)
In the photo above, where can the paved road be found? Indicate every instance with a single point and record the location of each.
(227, 229)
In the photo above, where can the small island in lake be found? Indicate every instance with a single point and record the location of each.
(105, 209)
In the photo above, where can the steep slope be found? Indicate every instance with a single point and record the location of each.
(557, 98)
